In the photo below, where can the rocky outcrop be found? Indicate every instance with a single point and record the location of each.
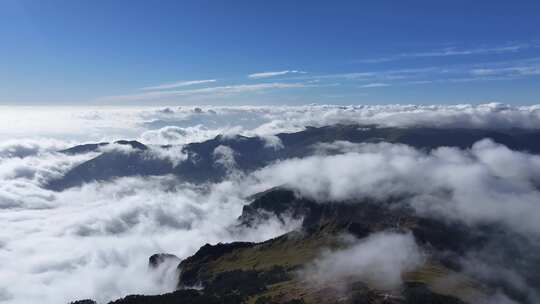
(159, 258)
(86, 301)
(186, 296)
(80, 149)
(196, 266)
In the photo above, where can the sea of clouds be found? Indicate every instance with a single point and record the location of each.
(170, 125)
(94, 241)
(487, 184)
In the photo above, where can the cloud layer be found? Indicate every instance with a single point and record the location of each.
(273, 74)
(202, 122)
(84, 242)
(380, 260)
(487, 184)
(95, 241)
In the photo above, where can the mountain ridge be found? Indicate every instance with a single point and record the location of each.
(270, 271)
(251, 153)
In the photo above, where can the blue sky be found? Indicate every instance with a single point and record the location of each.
(269, 52)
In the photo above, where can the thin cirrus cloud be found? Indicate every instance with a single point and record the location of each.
(217, 91)
(451, 73)
(451, 51)
(375, 76)
(515, 71)
(177, 84)
(274, 73)
(375, 85)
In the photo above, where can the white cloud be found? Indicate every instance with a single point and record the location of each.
(177, 84)
(488, 184)
(380, 260)
(174, 154)
(275, 73)
(452, 51)
(494, 71)
(94, 241)
(375, 85)
(168, 135)
(508, 71)
(30, 147)
(94, 124)
(225, 156)
(272, 141)
(216, 91)
(172, 135)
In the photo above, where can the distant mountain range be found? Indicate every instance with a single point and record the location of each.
(251, 153)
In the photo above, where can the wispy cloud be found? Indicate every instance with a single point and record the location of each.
(219, 91)
(274, 73)
(178, 84)
(451, 51)
(350, 76)
(457, 80)
(457, 52)
(375, 85)
(493, 71)
(451, 73)
(508, 71)
(375, 76)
